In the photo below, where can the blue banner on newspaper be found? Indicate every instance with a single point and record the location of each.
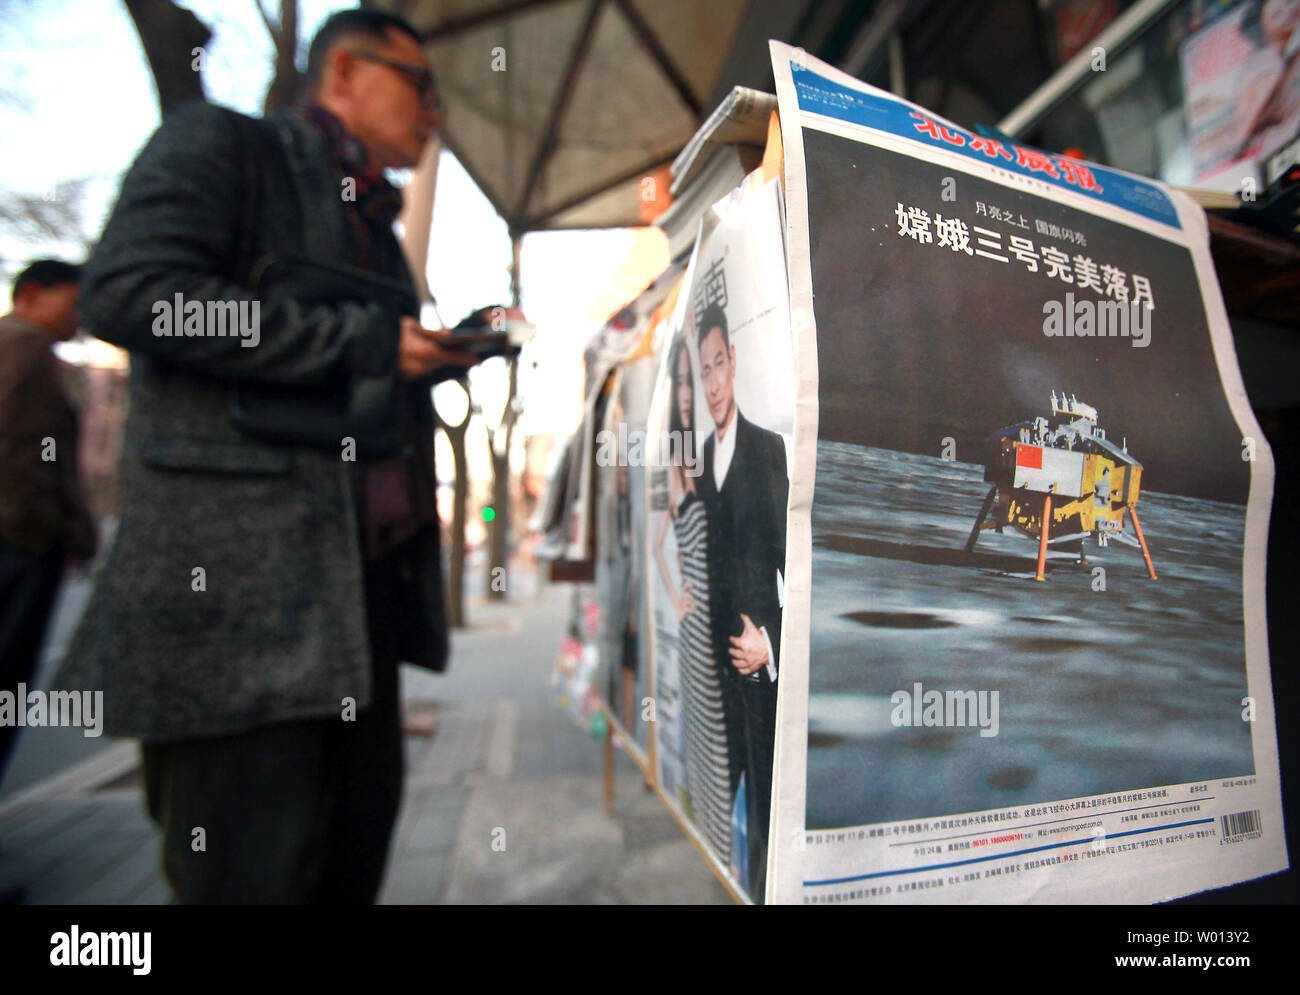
(819, 95)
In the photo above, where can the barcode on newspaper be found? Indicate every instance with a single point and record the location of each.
(1241, 824)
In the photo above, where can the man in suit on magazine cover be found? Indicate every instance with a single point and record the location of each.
(745, 486)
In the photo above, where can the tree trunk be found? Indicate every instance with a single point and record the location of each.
(170, 36)
(499, 531)
(456, 560)
(287, 80)
(460, 497)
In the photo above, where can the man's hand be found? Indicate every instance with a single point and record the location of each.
(423, 350)
(749, 649)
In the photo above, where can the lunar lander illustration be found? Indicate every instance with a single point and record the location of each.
(1060, 480)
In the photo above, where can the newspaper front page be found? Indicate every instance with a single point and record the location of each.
(1024, 653)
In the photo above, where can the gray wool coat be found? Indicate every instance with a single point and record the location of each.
(278, 630)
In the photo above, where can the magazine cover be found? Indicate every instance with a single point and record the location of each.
(720, 429)
(1241, 87)
(620, 459)
(1024, 653)
(616, 341)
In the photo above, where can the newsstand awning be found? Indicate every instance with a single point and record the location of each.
(560, 109)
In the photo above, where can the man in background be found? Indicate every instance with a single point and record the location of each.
(43, 517)
(265, 582)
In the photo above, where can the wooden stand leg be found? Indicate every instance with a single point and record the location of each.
(609, 770)
(1042, 537)
(1142, 541)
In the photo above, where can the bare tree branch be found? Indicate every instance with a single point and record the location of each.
(57, 215)
(271, 29)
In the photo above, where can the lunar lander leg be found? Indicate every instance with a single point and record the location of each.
(980, 520)
(1137, 527)
(1042, 537)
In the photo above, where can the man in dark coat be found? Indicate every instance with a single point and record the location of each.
(248, 624)
(43, 516)
(745, 486)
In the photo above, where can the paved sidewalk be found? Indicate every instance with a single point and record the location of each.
(503, 803)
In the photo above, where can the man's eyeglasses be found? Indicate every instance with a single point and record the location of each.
(420, 76)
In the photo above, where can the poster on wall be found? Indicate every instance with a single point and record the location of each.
(1024, 654)
(720, 428)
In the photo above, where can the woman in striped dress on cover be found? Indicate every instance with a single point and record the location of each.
(707, 772)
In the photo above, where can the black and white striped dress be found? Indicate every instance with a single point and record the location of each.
(707, 772)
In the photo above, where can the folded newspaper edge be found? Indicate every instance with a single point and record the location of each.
(741, 119)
